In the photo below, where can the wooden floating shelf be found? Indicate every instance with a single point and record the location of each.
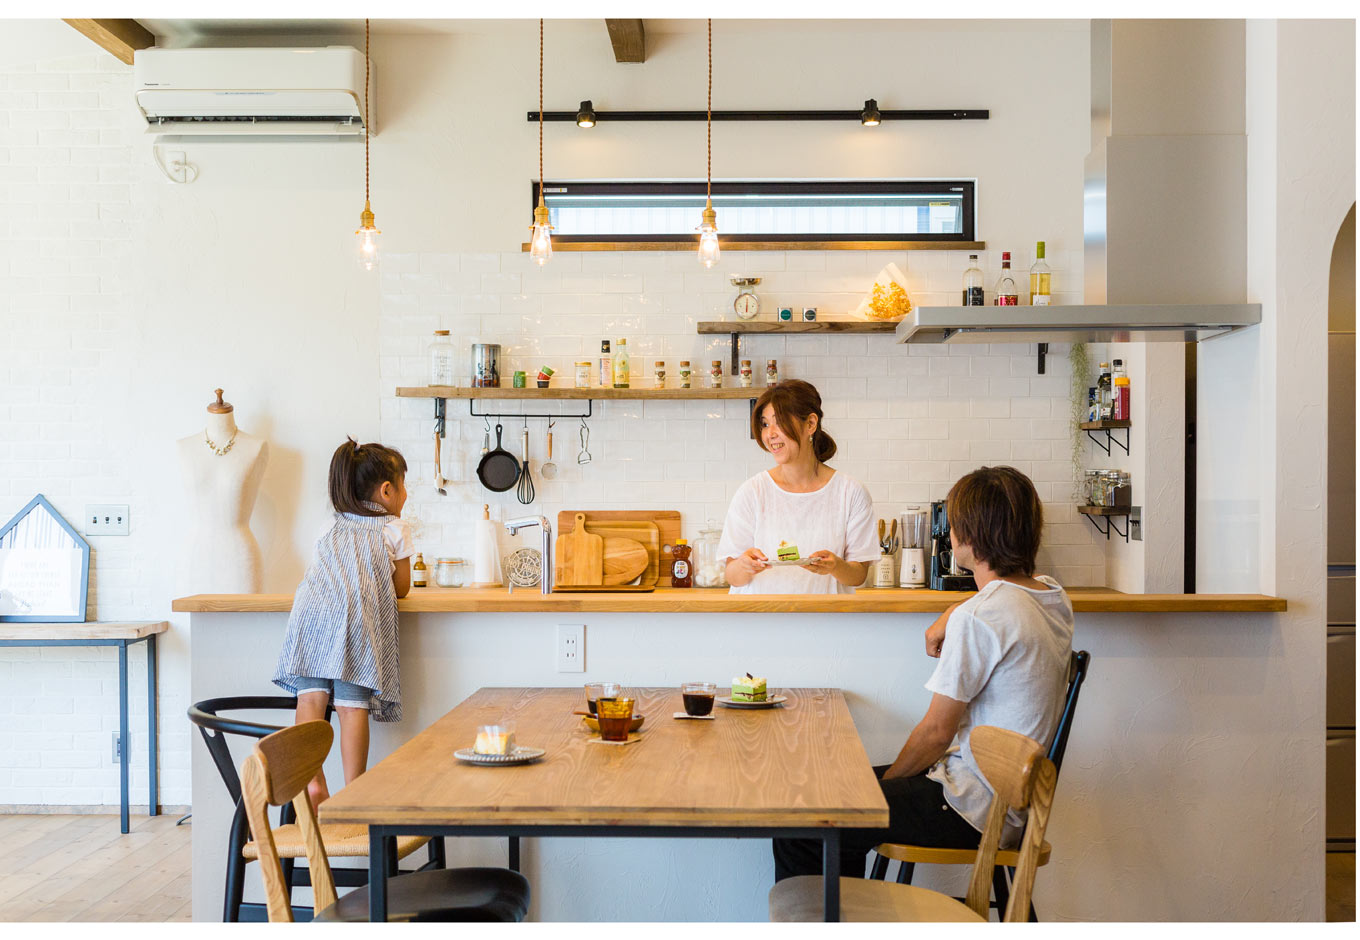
(798, 326)
(579, 394)
(1105, 425)
(1103, 510)
(559, 245)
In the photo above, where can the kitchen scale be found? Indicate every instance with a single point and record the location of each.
(747, 303)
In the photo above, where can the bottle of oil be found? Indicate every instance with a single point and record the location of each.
(419, 572)
(972, 283)
(1040, 278)
(621, 365)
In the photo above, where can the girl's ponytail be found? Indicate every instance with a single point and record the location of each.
(357, 470)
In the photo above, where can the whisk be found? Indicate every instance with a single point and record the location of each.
(525, 491)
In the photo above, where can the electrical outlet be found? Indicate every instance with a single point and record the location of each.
(1136, 523)
(571, 647)
(106, 519)
(117, 748)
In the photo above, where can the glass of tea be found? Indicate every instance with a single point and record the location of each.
(598, 690)
(698, 698)
(615, 715)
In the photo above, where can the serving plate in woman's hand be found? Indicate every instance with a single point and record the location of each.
(791, 561)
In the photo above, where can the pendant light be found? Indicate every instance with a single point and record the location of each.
(540, 239)
(708, 229)
(368, 232)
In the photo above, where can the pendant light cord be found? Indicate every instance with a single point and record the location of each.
(367, 121)
(540, 111)
(709, 194)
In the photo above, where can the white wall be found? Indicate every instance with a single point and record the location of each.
(126, 299)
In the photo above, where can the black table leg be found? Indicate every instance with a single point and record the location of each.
(124, 739)
(153, 806)
(831, 875)
(377, 875)
(514, 853)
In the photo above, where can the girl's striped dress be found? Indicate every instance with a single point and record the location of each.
(344, 619)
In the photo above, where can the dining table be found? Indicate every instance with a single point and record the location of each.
(796, 769)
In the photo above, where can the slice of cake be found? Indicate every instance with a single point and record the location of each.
(494, 741)
(748, 688)
(787, 552)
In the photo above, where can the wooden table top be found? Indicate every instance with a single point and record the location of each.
(800, 765)
(718, 600)
(91, 630)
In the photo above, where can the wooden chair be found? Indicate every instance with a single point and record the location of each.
(1006, 860)
(1021, 777)
(277, 773)
(339, 841)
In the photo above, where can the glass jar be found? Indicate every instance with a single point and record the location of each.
(685, 373)
(659, 373)
(450, 572)
(715, 374)
(441, 359)
(745, 373)
(709, 570)
(772, 372)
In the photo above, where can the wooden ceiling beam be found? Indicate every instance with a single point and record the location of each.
(120, 37)
(627, 39)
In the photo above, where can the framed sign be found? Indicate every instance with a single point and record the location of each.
(44, 567)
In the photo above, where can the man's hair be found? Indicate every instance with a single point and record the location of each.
(996, 512)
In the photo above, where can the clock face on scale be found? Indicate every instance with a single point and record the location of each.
(747, 304)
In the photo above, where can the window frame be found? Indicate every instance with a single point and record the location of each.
(964, 239)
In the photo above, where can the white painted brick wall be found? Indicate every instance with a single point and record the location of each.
(908, 420)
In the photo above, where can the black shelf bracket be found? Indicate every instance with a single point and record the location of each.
(1110, 439)
(736, 355)
(472, 410)
(1109, 524)
(1043, 357)
(439, 407)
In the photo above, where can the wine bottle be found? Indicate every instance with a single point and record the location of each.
(972, 283)
(1040, 278)
(1006, 293)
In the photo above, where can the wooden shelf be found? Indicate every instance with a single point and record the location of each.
(798, 326)
(559, 245)
(1103, 510)
(579, 394)
(1105, 425)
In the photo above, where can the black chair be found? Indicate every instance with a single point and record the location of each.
(910, 855)
(240, 849)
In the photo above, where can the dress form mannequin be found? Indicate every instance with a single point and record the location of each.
(223, 467)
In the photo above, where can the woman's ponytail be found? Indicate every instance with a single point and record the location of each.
(357, 470)
(823, 444)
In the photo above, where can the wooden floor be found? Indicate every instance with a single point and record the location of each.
(81, 868)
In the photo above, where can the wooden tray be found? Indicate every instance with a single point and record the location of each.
(642, 531)
(667, 523)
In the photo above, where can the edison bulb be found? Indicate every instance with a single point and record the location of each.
(368, 248)
(708, 244)
(540, 244)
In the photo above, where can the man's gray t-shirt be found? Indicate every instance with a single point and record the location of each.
(1006, 653)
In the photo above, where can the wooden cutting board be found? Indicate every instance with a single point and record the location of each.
(667, 522)
(624, 559)
(586, 551)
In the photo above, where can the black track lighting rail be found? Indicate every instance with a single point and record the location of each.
(964, 114)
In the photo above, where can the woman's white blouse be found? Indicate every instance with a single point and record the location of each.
(839, 518)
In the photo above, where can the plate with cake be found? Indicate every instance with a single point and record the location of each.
(496, 746)
(750, 691)
(788, 555)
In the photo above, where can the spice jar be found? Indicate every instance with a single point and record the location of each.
(746, 373)
(715, 374)
(685, 373)
(659, 372)
(450, 572)
(682, 572)
(583, 374)
(709, 570)
(772, 372)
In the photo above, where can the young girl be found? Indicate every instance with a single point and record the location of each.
(342, 632)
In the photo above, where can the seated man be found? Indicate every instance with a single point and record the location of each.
(1003, 661)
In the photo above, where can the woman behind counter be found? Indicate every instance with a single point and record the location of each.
(800, 501)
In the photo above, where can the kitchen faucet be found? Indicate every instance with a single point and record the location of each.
(545, 575)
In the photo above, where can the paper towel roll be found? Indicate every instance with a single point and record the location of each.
(486, 556)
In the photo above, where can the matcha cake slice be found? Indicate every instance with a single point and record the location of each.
(748, 688)
(787, 552)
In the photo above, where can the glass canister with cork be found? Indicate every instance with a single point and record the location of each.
(709, 570)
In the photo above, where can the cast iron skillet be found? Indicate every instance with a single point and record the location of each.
(499, 470)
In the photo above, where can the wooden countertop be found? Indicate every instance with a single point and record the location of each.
(702, 600)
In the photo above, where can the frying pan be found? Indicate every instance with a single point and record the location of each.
(498, 470)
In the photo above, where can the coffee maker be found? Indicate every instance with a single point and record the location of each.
(945, 572)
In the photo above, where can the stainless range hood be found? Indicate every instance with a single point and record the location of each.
(1082, 323)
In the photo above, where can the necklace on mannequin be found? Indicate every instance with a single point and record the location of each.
(219, 451)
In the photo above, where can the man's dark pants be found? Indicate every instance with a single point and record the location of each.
(917, 815)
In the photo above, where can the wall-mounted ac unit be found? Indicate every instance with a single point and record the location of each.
(242, 92)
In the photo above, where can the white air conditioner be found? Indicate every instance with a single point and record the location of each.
(236, 92)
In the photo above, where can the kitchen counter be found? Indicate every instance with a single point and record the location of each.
(718, 600)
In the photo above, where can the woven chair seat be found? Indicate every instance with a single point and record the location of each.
(342, 840)
(795, 900)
